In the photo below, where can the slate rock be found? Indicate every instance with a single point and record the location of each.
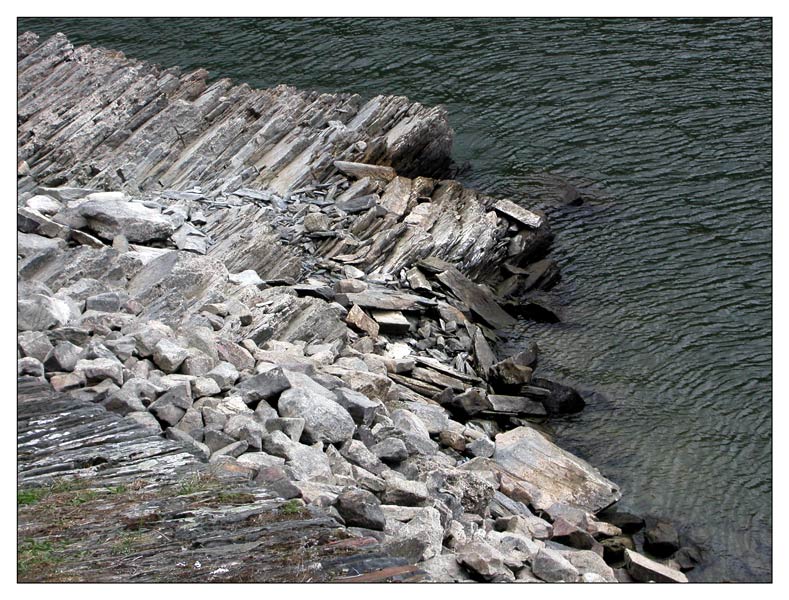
(360, 508)
(551, 566)
(644, 569)
(263, 386)
(324, 419)
(224, 374)
(39, 313)
(661, 540)
(168, 355)
(484, 561)
(136, 222)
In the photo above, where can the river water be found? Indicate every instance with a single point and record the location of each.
(665, 126)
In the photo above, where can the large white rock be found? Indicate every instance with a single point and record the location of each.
(557, 474)
(138, 223)
(325, 420)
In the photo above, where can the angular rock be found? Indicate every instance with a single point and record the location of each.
(325, 420)
(485, 561)
(306, 462)
(359, 319)
(29, 366)
(405, 492)
(644, 569)
(360, 508)
(100, 369)
(263, 386)
(168, 355)
(201, 451)
(136, 222)
(292, 427)
(551, 566)
(420, 539)
(661, 539)
(390, 450)
(560, 476)
(360, 407)
(35, 344)
(39, 313)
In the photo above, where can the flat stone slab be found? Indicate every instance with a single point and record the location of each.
(644, 569)
(520, 214)
(560, 476)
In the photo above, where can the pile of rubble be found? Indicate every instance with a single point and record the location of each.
(329, 333)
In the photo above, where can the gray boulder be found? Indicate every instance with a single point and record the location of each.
(99, 369)
(643, 569)
(39, 313)
(190, 444)
(485, 561)
(324, 419)
(263, 386)
(419, 539)
(136, 222)
(224, 374)
(35, 344)
(305, 462)
(360, 508)
(551, 566)
(29, 366)
(168, 355)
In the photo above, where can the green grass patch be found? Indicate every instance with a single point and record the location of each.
(292, 507)
(30, 496)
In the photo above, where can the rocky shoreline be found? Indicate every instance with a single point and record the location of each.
(279, 282)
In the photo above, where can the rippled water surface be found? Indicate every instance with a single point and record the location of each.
(666, 291)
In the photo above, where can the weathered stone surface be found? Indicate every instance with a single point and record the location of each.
(644, 570)
(306, 462)
(518, 213)
(485, 561)
(224, 374)
(551, 566)
(462, 491)
(39, 313)
(360, 508)
(405, 492)
(263, 386)
(560, 476)
(99, 369)
(420, 539)
(587, 562)
(359, 319)
(292, 427)
(29, 366)
(359, 406)
(35, 344)
(324, 419)
(199, 449)
(390, 450)
(168, 355)
(661, 539)
(136, 222)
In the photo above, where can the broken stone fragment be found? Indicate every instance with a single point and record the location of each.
(168, 355)
(359, 319)
(39, 313)
(248, 277)
(325, 420)
(552, 567)
(645, 570)
(485, 561)
(359, 508)
(138, 223)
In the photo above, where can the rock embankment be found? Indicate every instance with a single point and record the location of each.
(267, 279)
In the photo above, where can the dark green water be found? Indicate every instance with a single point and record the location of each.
(666, 286)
